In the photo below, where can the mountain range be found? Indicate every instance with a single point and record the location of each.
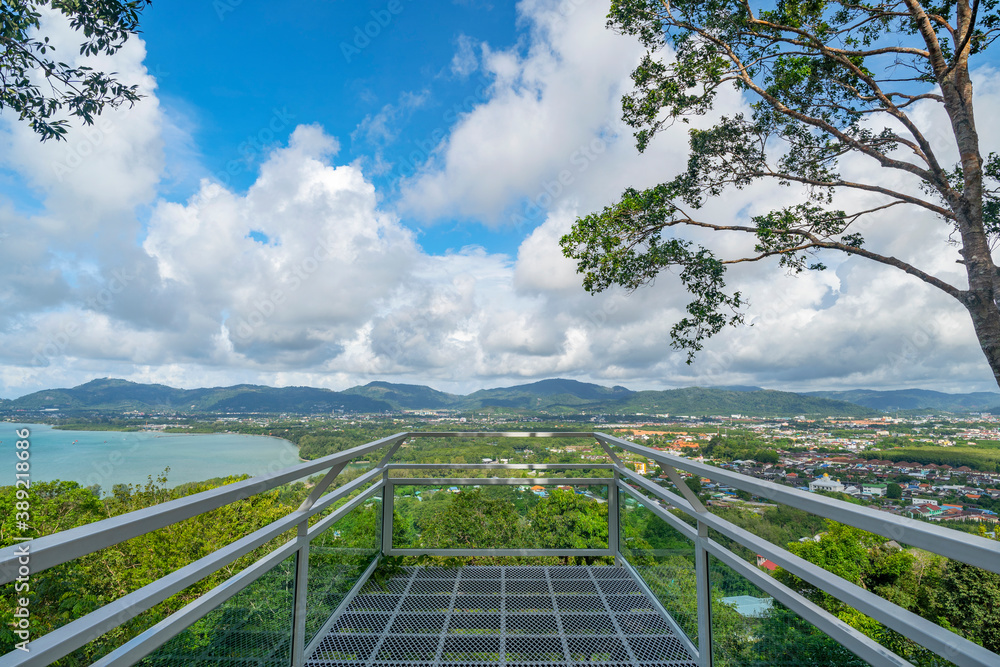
(554, 397)
(915, 399)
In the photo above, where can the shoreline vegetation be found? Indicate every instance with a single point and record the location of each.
(89, 426)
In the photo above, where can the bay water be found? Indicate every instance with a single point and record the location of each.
(107, 458)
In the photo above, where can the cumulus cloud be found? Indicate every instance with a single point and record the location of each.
(548, 145)
(308, 277)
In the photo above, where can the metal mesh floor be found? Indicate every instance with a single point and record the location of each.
(517, 616)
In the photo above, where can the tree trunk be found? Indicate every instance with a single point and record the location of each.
(986, 321)
(983, 295)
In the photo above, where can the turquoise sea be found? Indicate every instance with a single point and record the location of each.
(113, 457)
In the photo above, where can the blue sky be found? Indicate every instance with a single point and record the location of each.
(237, 71)
(297, 202)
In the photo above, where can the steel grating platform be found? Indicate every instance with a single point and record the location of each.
(515, 616)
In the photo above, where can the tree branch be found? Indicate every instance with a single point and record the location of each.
(816, 242)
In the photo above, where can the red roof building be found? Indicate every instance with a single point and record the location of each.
(766, 564)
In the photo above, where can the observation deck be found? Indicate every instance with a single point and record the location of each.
(504, 615)
(666, 581)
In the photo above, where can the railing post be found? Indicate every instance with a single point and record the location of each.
(702, 582)
(388, 496)
(614, 543)
(613, 508)
(301, 590)
(299, 596)
(704, 596)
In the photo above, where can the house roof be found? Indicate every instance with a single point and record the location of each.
(768, 565)
(747, 605)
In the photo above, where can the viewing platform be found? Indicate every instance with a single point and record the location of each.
(665, 581)
(569, 615)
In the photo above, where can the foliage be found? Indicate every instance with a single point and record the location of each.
(985, 460)
(55, 506)
(824, 80)
(948, 593)
(27, 66)
(66, 592)
(867, 560)
(781, 638)
(497, 517)
(317, 443)
(566, 520)
(971, 604)
(740, 447)
(665, 559)
(473, 520)
(777, 525)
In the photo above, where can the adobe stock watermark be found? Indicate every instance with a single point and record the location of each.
(104, 469)
(363, 34)
(57, 344)
(87, 141)
(254, 145)
(90, 140)
(423, 148)
(22, 522)
(223, 7)
(718, 364)
(918, 340)
(267, 305)
(598, 318)
(551, 190)
(400, 349)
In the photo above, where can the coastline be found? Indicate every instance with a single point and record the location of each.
(109, 457)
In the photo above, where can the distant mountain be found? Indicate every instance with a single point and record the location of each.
(405, 396)
(554, 397)
(111, 394)
(254, 398)
(700, 401)
(914, 399)
(106, 393)
(545, 395)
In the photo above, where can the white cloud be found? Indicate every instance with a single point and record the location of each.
(101, 171)
(465, 61)
(546, 107)
(502, 162)
(306, 278)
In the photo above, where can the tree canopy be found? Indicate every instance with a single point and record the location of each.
(42, 90)
(824, 79)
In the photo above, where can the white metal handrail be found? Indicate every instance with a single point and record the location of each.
(389, 501)
(70, 544)
(971, 549)
(930, 635)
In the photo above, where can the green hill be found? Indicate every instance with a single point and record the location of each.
(122, 395)
(405, 396)
(554, 397)
(551, 395)
(914, 399)
(701, 401)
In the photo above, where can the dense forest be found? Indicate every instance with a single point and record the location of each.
(69, 591)
(954, 595)
(982, 458)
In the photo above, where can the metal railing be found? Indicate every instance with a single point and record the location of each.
(609, 483)
(622, 484)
